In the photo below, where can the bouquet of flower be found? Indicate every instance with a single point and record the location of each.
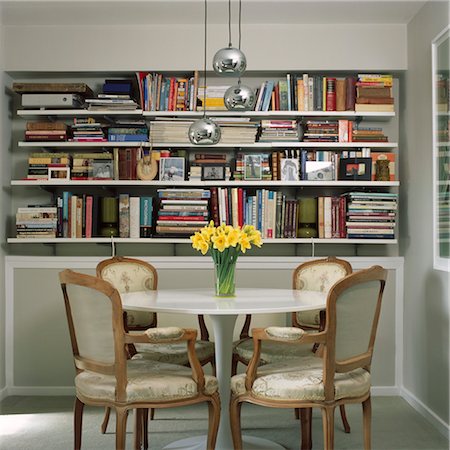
(225, 243)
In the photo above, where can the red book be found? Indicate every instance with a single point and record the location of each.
(89, 216)
(171, 94)
(331, 94)
(350, 93)
(240, 207)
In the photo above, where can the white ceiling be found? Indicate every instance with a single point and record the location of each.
(141, 12)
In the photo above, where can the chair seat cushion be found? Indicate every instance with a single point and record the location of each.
(301, 379)
(271, 351)
(174, 353)
(150, 381)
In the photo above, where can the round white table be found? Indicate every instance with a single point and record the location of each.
(223, 313)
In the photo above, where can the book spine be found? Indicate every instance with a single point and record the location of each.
(124, 215)
(331, 94)
(88, 230)
(134, 217)
(215, 216)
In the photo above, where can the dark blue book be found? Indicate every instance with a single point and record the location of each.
(127, 137)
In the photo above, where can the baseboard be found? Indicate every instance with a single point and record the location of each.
(426, 412)
(41, 390)
(384, 391)
(3, 393)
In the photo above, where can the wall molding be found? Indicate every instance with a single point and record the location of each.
(426, 412)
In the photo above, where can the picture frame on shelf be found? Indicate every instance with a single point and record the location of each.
(252, 167)
(212, 172)
(357, 169)
(103, 170)
(319, 170)
(290, 169)
(172, 169)
(59, 173)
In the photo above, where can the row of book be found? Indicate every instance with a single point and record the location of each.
(351, 215)
(181, 212)
(374, 93)
(88, 130)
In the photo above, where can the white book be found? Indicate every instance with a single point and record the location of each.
(73, 216)
(327, 223)
(134, 217)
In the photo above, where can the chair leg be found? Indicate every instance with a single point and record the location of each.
(152, 413)
(138, 429)
(77, 422)
(121, 427)
(306, 425)
(213, 422)
(234, 365)
(344, 419)
(235, 420)
(297, 413)
(104, 425)
(367, 423)
(328, 427)
(145, 427)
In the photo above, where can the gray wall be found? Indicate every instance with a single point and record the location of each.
(3, 201)
(426, 333)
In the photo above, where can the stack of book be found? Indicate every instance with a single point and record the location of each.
(36, 222)
(182, 212)
(371, 215)
(128, 131)
(92, 166)
(235, 130)
(87, 129)
(170, 131)
(116, 95)
(204, 160)
(46, 131)
(40, 163)
(279, 130)
(214, 100)
(443, 207)
(321, 131)
(374, 93)
(368, 134)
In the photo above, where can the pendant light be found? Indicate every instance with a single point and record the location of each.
(204, 131)
(230, 61)
(240, 97)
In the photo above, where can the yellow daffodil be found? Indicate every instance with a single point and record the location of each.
(244, 242)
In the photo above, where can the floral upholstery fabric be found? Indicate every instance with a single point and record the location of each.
(164, 333)
(147, 381)
(318, 277)
(131, 277)
(174, 353)
(301, 379)
(286, 333)
(271, 351)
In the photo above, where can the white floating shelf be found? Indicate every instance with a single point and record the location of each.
(219, 183)
(151, 114)
(188, 241)
(77, 112)
(259, 145)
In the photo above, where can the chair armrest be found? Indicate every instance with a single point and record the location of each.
(165, 335)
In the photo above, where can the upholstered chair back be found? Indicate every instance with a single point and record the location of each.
(355, 314)
(131, 275)
(318, 275)
(90, 305)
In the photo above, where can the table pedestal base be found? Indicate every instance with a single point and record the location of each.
(199, 443)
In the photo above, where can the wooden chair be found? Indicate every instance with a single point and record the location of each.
(340, 376)
(104, 375)
(317, 275)
(130, 275)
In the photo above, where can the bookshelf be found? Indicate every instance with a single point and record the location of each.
(25, 192)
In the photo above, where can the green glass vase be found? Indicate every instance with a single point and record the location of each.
(224, 273)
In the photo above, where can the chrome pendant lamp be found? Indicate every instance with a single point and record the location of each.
(239, 97)
(230, 61)
(204, 131)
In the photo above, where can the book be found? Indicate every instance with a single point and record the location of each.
(124, 215)
(360, 107)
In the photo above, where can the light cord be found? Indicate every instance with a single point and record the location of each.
(204, 59)
(240, 15)
(229, 24)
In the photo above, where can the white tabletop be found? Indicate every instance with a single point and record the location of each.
(204, 301)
